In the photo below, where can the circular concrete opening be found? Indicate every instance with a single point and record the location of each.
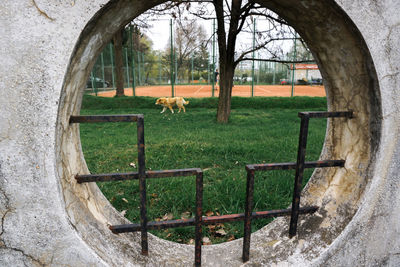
(351, 83)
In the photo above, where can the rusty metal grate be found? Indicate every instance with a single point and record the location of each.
(142, 175)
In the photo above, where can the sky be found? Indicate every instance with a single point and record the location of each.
(159, 33)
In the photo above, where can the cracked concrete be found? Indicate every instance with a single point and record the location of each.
(47, 219)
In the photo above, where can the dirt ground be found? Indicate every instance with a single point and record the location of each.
(205, 91)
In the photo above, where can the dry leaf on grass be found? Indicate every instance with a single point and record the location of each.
(125, 200)
(132, 164)
(186, 215)
(167, 217)
(221, 232)
(206, 241)
(123, 212)
(209, 213)
(231, 237)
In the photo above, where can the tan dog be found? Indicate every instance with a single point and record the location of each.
(169, 102)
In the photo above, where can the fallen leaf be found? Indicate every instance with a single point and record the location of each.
(125, 200)
(169, 235)
(211, 227)
(132, 164)
(186, 215)
(191, 242)
(167, 217)
(209, 213)
(123, 212)
(221, 232)
(206, 241)
(231, 237)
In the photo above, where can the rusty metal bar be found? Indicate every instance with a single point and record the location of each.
(172, 173)
(292, 165)
(301, 154)
(212, 220)
(327, 114)
(247, 214)
(87, 178)
(104, 118)
(198, 218)
(142, 184)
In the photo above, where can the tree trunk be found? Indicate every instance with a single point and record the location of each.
(225, 92)
(119, 71)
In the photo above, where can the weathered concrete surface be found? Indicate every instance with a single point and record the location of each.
(48, 219)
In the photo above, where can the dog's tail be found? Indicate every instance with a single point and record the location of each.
(185, 102)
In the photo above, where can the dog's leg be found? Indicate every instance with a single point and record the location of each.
(170, 108)
(164, 109)
(179, 109)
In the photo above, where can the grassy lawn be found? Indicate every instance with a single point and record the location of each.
(261, 130)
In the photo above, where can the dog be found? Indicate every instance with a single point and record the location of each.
(169, 102)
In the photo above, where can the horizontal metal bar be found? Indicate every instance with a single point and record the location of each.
(87, 178)
(292, 165)
(327, 114)
(125, 228)
(172, 173)
(104, 118)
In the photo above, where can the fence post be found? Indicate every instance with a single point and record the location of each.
(112, 65)
(133, 59)
(127, 66)
(253, 56)
(102, 70)
(172, 59)
(294, 64)
(213, 60)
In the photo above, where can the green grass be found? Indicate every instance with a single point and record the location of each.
(261, 130)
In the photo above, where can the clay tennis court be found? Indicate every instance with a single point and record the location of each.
(237, 90)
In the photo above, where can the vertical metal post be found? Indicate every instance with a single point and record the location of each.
(208, 70)
(247, 214)
(301, 154)
(133, 61)
(213, 60)
(112, 66)
(273, 77)
(253, 56)
(142, 184)
(127, 66)
(294, 64)
(192, 68)
(138, 63)
(93, 83)
(172, 60)
(159, 68)
(143, 68)
(102, 70)
(176, 68)
(198, 217)
(258, 71)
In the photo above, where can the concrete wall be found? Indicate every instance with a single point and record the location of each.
(48, 48)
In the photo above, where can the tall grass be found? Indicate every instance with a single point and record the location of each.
(261, 130)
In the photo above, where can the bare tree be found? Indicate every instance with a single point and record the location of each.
(189, 38)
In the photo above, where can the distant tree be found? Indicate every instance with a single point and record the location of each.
(190, 39)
